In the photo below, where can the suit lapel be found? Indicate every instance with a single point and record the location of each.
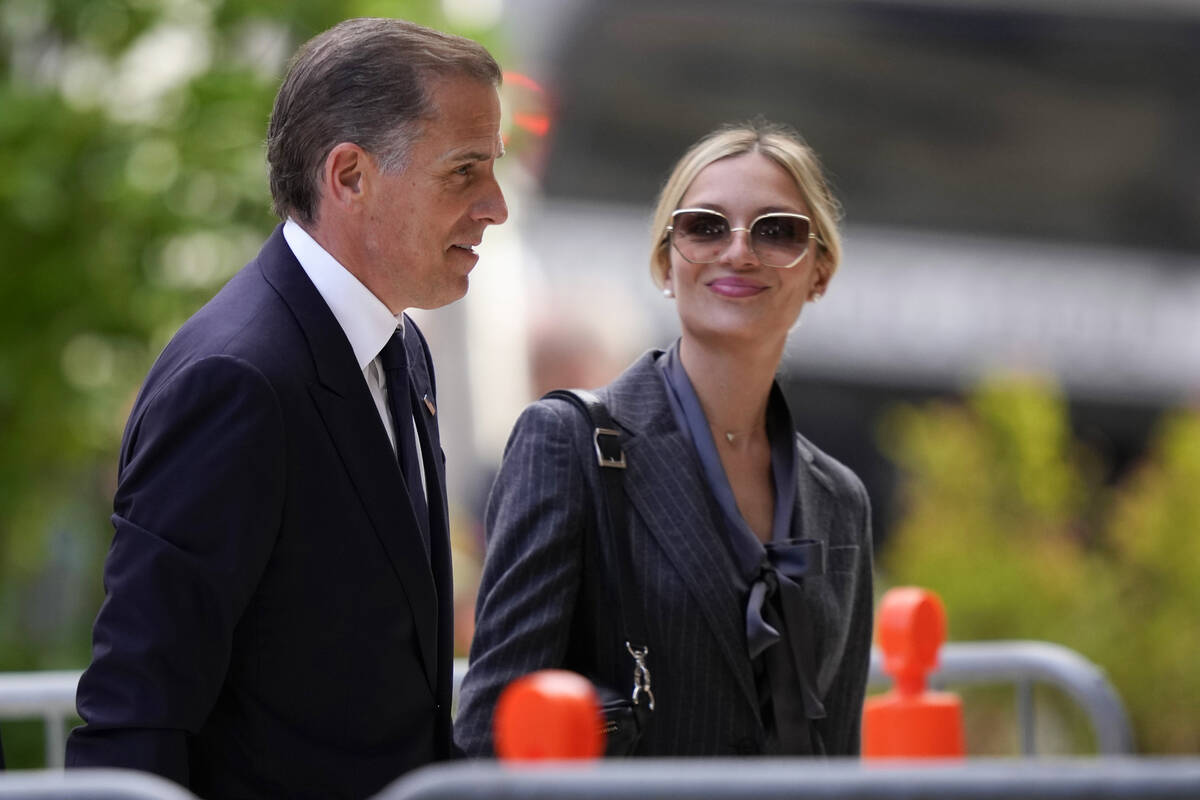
(425, 414)
(666, 487)
(352, 419)
(813, 510)
(813, 518)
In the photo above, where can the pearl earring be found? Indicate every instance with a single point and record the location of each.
(668, 292)
(816, 296)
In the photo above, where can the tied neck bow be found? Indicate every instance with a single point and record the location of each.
(776, 604)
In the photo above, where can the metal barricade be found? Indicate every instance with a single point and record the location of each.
(1124, 778)
(89, 784)
(51, 695)
(1023, 664)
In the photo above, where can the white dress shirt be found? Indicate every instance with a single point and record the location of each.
(365, 320)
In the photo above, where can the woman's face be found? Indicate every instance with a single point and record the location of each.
(737, 298)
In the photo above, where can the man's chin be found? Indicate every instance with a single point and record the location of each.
(449, 295)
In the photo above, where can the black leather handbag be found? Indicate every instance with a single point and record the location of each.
(626, 710)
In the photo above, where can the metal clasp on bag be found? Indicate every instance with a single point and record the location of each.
(615, 457)
(641, 673)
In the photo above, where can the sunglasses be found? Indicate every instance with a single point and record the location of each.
(778, 239)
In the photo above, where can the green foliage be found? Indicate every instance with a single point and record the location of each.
(1154, 533)
(1007, 517)
(135, 184)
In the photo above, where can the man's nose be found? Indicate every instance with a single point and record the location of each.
(491, 208)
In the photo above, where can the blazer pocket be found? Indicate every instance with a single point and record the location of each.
(843, 558)
(831, 601)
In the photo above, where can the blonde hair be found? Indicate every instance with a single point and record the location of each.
(778, 143)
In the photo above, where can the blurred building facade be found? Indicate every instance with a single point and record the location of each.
(1020, 182)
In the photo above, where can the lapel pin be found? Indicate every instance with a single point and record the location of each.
(430, 406)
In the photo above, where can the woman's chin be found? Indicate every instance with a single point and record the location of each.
(732, 332)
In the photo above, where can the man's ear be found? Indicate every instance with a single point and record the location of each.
(344, 175)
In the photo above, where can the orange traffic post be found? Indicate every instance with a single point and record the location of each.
(551, 714)
(909, 721)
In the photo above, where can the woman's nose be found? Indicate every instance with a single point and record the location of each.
(739, 253)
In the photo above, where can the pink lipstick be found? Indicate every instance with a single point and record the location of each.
(735, 287)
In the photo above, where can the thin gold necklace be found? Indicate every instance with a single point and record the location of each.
(732, 436)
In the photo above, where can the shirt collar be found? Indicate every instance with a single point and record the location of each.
(365, 320)
(689, 415)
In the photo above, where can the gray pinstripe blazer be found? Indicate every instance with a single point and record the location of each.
(543, 602)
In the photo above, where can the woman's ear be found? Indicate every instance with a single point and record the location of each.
(668, 289)
(820, 284)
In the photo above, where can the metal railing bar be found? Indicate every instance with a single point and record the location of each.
(798, 779)
(1025, 717)
(55, 739)
(89, 784)
(52, 693)
(36, 694)
(1013, 661)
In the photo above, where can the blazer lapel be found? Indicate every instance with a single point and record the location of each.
(813, 518)
(345, 405)
(666, 487)
(425, 414)
(814, 492)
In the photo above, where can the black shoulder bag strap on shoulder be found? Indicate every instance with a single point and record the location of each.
(625, 714)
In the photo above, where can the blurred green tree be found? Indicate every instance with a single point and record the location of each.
(1007, 517)
(1153, 538)
(135, 186)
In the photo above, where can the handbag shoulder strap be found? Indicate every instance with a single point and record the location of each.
(610, 458)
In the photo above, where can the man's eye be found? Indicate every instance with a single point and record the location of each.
(465, 169)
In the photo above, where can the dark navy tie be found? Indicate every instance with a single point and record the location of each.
(399, 391)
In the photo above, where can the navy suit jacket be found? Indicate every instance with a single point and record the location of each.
(273, 625)
(544, 603)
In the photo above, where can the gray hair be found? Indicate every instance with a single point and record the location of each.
(364, 81)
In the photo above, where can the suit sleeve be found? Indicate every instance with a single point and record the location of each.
(197, 510)
(537, 515)
(847, 694)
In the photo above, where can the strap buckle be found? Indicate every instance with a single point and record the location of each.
(608, 454)
(641, 674)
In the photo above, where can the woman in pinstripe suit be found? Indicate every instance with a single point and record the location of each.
(751, 547)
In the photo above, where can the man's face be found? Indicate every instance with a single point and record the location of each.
(422, 224)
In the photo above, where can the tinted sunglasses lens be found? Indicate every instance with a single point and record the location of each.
(779, 240)
(699, 236)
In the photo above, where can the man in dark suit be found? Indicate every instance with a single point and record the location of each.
(278, 617)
